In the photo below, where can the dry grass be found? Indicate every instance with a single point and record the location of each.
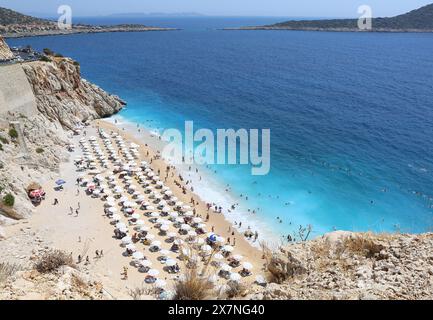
(193, 286)
(364, 245)
(53, 260)
(281, 265)
(7, 270)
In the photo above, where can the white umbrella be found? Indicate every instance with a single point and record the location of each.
(153, 272)
(178, 242)
(227, 249)
(130, 247)
(146, 263)
(185, 227)
(225, 267)
(150, 237)
(112, 210)
(110, 200)
(218, 256)
(120, 225)
(156, 244)
(123, 199)
(138, 255)
(170, 263)
(160, 283)
(126, 240)
(235, 277)
(116, 217)
(237, 257)
(154, 214)
(206, 248)
(164, 227)
(172, 235)
(247, 266)
(135, 216)
(144, 228)
(197, 220)
(140, 222)
(164, 253)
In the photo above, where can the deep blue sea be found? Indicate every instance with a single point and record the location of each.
(351, 114)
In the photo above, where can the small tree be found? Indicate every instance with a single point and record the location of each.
(39, 150)
(13, 133)
(9, 200)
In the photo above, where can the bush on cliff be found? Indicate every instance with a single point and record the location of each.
(9, 200)
(39, 150)
(4, 140)
(53, 260)
(48, 52)
(13, 133)
(44, 59)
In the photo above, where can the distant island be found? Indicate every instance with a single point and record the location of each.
(419, 20)
(14, 25)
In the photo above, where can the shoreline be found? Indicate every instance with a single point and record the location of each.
(210, 189)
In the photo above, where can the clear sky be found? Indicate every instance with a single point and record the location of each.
(293, 8)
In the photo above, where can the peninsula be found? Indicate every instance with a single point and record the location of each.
(15, 25)
(419, 20)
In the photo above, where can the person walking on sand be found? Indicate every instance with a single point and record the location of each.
(125, 273)
(56, 202)
(87, 261)
(79, 258)
(76, 213)
(97, 253)
(71, 210)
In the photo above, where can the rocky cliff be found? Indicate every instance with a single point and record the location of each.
(63, 101)
(346, 265)
(5, 52)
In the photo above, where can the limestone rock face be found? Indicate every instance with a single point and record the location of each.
(346, 265)
(62, 96)
(5, 52)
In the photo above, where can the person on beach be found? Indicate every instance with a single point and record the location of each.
(71, 210)
(56, 202)
(97, 253)
(79, 258)
(125, 273)
(87, 260)
(76, 213)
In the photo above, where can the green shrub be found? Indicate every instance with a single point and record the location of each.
(4, 140)
(9, 200)
(48, 52)
(76, 63)
(13, 133)
(39, 150)
(44, 59)
(1, 147)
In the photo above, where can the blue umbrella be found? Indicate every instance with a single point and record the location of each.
(213, 238)
(60, 182)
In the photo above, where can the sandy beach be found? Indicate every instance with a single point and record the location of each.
(59, 226)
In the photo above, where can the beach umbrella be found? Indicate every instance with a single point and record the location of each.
(126, 240)
(112, 210)
(192, 233)
(150, 237)
(164, 253)
(171, 235)
(123, 230)
(185, 227)
(212, 237)
(174, 215)
(180, 220)
(189, 214)
(178, 242)
(135, 216)
(120, 225)
(218, 256)
(168, 193)
(227, 249)
(123, 199)
(247, 266)
(165, 209)
(156, 244)
(153, 272)
(237, 257)
(130, 247)
(138, 255)
(145, 263)
(199, 241)
(150, 208)
(160, 283)
(164, 228)
(197, 220)
(220, 239)
(140, 222)
(144, 228)
(60, 182)
(111, 199)
(206, 248)
(260, 280)
(226, 268)
(236, 277)
(170, 263)
(154, 214)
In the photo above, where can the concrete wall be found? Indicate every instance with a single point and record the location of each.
(16, 94)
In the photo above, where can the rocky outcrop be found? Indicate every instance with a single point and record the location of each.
(345, 265)
(63, 96)
(5, 52)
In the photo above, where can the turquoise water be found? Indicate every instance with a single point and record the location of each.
(350, 114)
